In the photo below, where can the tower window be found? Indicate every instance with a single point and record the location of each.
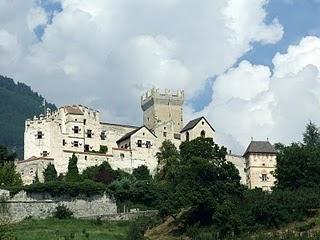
(165, 134)
(76, 144)
(264, 177)
(75, 129)
(203, 134)
(86, 148)
(45, 154)
(103, 135)
(63, 142)
(84, 121)
(89, 133)
(139, 143)
(148, 144)
(39, 135)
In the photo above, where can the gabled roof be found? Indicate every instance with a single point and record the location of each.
(260, 147)
(73, 110)
(193, 123)
(129, 134)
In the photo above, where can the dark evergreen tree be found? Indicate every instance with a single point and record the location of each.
(73, 171)
(50, 173)
(311, 136)
(6, 155)
(142, 173)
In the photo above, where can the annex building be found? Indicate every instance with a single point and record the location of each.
(55, 136)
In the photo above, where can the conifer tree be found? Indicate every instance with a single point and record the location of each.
(311, 136)
(50, 173)
(73, 171)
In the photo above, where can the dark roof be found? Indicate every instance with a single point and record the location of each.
(193, 123)
(120, 125)
(73, 110)
(129, 134)
(260, 147)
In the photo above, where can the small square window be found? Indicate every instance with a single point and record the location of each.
(75, 129)
(39, 135)
(264, 178)
(76, 144)
(165, 134)
(148, 144)
(89, 133)
(139, 143)
(45, 154)
(103, 135)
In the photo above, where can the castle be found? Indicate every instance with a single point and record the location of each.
(55, 136)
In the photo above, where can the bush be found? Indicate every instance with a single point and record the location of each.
(103, 149)
(62, 212)
(73, 189)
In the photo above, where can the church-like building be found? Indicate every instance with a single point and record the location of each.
(55, 136)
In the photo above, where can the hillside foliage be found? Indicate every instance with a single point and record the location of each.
(18, 103)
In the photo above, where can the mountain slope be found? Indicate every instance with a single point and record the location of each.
(17, 103)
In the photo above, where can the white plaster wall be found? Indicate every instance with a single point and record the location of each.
(240, 164)
(196, 131)
(258, 164)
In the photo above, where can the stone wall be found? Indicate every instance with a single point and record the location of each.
(23, 205)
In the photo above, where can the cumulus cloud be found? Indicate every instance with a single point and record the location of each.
(106, 53)
(250, 102)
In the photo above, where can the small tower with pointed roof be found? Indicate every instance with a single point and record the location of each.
(261, 161)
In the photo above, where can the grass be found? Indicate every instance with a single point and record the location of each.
(55, 229)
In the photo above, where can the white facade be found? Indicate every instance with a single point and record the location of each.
(261, 162)
(79, 130)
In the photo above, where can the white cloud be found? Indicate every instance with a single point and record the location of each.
(106, 53)
(249, 102)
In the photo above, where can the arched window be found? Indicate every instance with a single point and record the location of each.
(187, 136)
(203, 134)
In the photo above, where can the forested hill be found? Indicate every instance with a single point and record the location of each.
(17, 103)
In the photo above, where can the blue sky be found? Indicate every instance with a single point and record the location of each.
(299, 18)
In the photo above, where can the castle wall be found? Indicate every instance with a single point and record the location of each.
(240, 164)
(21, 206)
(260, 169)
(195, 132)
(161, 107)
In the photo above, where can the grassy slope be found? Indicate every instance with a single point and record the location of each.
(69, 229)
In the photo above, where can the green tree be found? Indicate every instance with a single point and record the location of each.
(167, 150)
(311, 136)
(202, 179)
(298, 166)
(9, 176)
(50, 173)
(6, 155)
(142, 173)
(102, 173)
(73, 171)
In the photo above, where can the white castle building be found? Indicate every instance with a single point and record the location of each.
(54, 137)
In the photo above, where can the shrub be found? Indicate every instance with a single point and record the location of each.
(62, 212)
(103, 149)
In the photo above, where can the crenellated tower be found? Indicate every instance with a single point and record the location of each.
(160, 107)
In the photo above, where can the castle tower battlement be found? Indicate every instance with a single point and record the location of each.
(163, 106)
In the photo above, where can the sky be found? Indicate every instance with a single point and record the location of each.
(250, 66)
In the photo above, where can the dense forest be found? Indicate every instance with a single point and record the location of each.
(18, 102)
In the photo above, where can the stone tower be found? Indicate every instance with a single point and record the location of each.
(162, 107)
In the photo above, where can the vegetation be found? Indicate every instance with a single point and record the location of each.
(54, 228)
(73, 171)
(62, 212)
(50, 173)
(18, 102)
(8, 175)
